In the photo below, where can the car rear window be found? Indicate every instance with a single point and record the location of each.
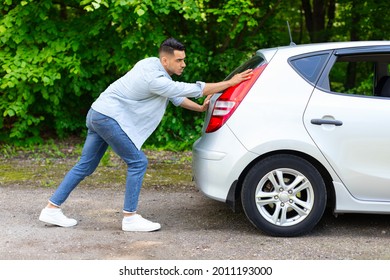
(252, 63)
(310, 67)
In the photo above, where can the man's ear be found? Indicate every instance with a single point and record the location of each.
(164, 60)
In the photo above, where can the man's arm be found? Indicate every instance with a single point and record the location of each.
(193, 106)
(211, 88)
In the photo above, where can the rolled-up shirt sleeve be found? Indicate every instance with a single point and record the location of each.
(166, 87)
(202, 85)
(176, 100)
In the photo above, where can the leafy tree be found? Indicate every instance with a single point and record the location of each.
(57, 56)
(319, 17)
(52, 60)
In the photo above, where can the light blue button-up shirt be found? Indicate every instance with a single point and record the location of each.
(137, 101)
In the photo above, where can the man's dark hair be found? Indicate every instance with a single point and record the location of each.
(169, 45)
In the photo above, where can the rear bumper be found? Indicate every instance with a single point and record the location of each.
(218, 161)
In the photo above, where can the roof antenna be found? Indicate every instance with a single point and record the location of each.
(289, 33)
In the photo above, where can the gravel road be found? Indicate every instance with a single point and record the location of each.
(194, 227)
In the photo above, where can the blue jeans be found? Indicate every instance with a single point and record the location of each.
(104, 131)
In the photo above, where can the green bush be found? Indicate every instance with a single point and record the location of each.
(57, 56)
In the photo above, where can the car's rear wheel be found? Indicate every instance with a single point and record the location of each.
(284, 195)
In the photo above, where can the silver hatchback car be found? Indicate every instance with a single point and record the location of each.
(310, 129)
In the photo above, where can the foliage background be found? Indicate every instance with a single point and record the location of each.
(57, 56)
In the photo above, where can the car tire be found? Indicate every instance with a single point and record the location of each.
(284, 195)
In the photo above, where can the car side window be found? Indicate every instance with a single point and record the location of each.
(310, 67)
(365, 74)
(353, 77)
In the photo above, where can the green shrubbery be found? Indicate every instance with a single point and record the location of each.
(57, 56)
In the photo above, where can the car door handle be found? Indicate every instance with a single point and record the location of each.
(326, 121)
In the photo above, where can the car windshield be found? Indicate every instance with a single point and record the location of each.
(252, 63)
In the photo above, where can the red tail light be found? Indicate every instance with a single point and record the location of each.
(228, 102)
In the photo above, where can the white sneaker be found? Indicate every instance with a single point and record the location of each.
(55, 216)
(137, 223)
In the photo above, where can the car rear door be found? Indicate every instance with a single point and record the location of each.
(350, 125)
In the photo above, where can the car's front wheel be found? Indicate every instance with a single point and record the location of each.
(284, 195)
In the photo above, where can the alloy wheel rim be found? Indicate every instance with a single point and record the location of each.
(284, 197)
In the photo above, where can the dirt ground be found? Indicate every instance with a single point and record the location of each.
(194, 227)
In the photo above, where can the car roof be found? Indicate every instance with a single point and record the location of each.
(315, 47)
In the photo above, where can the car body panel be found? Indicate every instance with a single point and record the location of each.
(359, 149)
(346, 203)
